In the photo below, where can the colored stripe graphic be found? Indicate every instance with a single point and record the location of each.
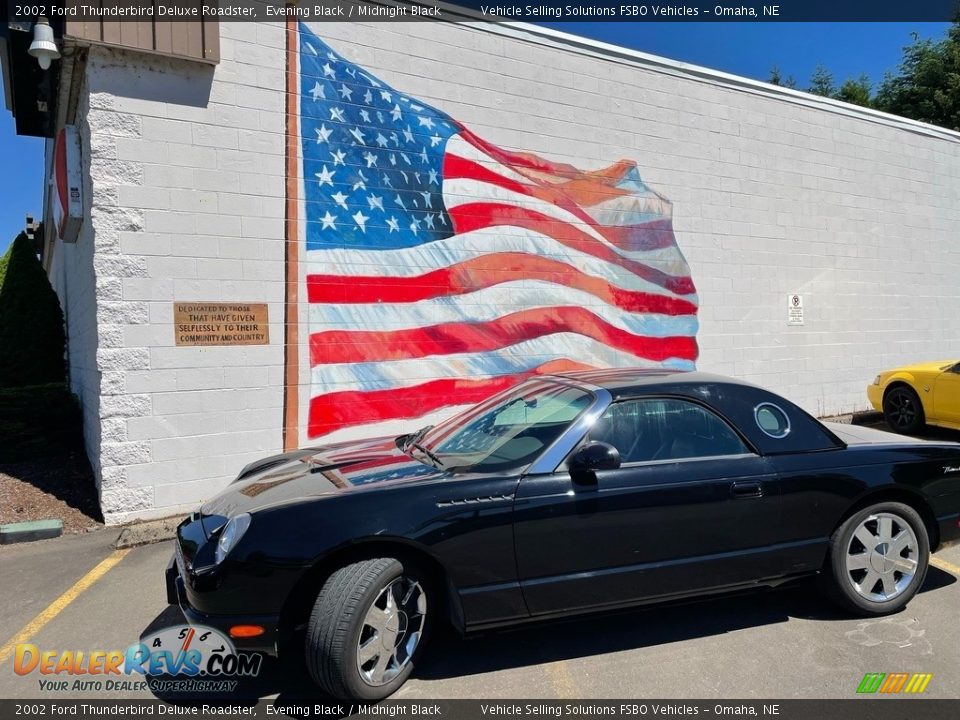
(893, 683)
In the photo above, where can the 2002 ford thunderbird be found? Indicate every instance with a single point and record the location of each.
(566, 494)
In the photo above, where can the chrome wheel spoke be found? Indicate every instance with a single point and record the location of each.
(885, 528)
(889, 584)
(378, 673)
(900, 543)
(907, 566)
(860, 561)
(869, 581)
(368, 650)
(866, 538)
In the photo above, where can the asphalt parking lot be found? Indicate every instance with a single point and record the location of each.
(767, 644)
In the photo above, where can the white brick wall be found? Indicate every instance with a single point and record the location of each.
(772, 195)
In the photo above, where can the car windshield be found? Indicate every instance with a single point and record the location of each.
(509, 430)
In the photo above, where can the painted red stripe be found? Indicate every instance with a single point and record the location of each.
(483, 272)
(476, 216)
(641, 237)
(336, 410)
(340, 346)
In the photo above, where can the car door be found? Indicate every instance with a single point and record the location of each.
(946, 396)
(691, 507)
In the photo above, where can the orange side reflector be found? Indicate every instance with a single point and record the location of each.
(245, 631)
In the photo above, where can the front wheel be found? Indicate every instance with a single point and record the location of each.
(367, 628)
(878, 559)
(903, 410)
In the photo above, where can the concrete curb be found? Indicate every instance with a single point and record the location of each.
(149, 531)
(30, 531)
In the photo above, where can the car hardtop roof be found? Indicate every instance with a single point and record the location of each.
(624, 380)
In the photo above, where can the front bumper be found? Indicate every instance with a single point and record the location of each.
(177, 595)
(875, 396)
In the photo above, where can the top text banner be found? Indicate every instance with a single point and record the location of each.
(561, 11)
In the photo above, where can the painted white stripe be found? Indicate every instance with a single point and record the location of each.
(476, 366)
(456, 145)
(489, 304)
(410, 262)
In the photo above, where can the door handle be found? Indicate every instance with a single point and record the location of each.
(749, 489)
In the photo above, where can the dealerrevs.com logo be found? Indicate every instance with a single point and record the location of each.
(177, 659)
(893, 683)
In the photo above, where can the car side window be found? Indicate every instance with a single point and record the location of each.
(665, 429)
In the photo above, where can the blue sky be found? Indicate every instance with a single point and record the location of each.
(749, 49)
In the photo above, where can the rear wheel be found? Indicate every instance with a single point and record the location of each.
(903, 410)
(878, 559)
(367, 628)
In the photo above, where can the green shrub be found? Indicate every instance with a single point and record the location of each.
(32, 338)
(38, 421)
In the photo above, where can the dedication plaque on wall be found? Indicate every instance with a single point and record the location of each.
(211, 323)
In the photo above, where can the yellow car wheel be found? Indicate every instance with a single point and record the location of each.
(902, 410)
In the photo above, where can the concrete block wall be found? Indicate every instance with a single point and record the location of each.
(772, 194)
(187, 168)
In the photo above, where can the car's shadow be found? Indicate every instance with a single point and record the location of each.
(451, 656)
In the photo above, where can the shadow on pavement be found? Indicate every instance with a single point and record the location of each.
(450, 656)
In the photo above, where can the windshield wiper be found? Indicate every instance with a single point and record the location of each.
(408, 440)
(421, 448)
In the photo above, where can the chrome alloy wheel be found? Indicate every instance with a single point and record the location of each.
(391, 631)
(882, 557)
(901, 410)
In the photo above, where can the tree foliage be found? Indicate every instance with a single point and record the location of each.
(32, 338)
(925, 86)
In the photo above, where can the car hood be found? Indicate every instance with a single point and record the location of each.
(330, 470)
(936, 367)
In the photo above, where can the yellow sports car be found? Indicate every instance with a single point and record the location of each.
(914, 395)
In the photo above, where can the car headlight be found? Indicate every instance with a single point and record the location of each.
(876, 380)
(230, 536)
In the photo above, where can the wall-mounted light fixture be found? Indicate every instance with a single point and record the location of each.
(43, 47)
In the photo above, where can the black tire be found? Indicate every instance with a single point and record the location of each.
(903, 410)
(841, 583)
(337, 624)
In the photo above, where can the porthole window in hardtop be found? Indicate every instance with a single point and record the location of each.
(772, 420)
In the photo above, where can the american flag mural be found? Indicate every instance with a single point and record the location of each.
(441, 268)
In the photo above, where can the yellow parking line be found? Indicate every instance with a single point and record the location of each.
(944, 565)
(58, 605)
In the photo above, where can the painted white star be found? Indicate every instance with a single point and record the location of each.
(414, 226)
(428, 218)
(336, 113)
(365, 116)
(325, 177)
(318, 91)
(323, 134)
(414, 106)
(351, 72)
(394, 139)
(399, 201)
(380, 117)
(386, 181)
(357, 134)
(345, 92)
(370, 80)
(375, 202)
(329, 221)
(386, 95)
(425, 122)
(426, 198)
(423, 156)
(435, 140)
(370, 158)
(361, 220)
(328, 71)
(406, 159)
(405, 178)
(338, 157)
(393, 158)
(393, 224)
(407, 135)
(382, 140)
(340, 199)
(360, 184)
(331, 56)
(434, 178)
(311, 49)
(368, 97)
(395, 113)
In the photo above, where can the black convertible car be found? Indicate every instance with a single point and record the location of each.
(567, 494)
